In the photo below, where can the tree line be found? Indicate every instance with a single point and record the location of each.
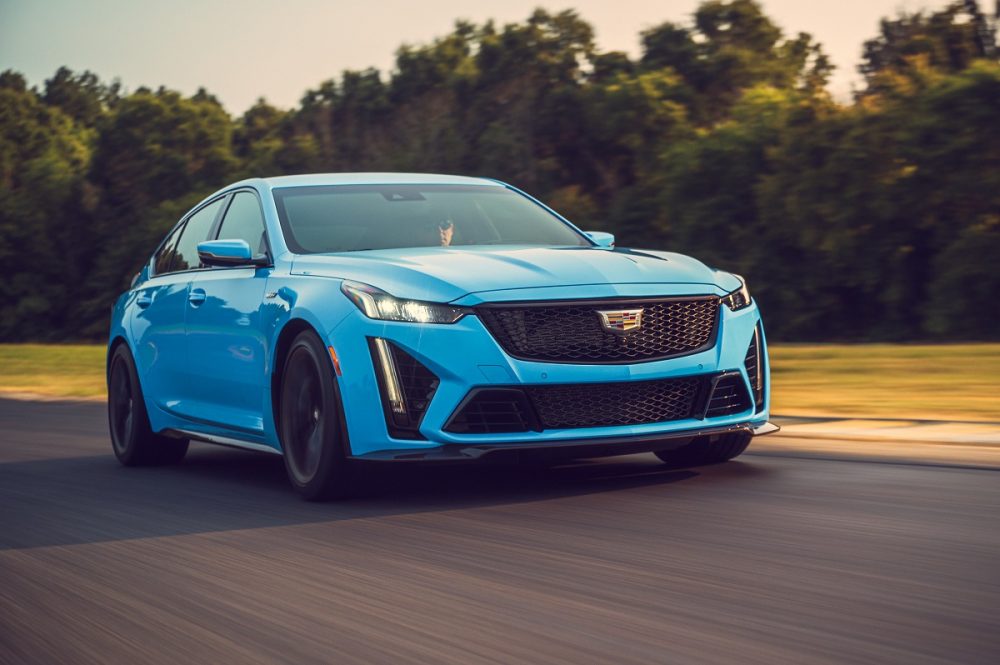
(872, 219)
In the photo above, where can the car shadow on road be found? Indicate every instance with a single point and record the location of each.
(90, 499)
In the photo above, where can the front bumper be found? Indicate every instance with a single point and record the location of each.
(465, 356)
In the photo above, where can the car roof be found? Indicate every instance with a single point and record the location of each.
(314, 179)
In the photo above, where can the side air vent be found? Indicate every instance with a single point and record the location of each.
(493, 410)
(754, 363)
(729, 396)
(406, 387)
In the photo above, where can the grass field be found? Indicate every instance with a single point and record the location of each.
(53, 370)
(949, 381)
(959, 381)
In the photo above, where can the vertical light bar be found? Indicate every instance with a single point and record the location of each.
(389, 376)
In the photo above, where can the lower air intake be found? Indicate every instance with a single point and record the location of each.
(607, 404)
(493, 411)
(729, 397)
(570, 406)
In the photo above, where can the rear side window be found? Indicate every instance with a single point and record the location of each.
(196, 230)
(244, 221)
(165, 256)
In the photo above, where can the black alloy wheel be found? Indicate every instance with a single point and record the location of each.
(311, 424)
(120, 406)
(132, 439)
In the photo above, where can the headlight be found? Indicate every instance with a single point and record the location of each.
(739, 298)
(377, 304)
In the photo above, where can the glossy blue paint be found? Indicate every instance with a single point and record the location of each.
(205, 339)
(226, 348)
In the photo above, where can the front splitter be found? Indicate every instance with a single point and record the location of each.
(568, 449)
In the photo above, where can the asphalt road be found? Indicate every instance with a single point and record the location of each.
(768, 559)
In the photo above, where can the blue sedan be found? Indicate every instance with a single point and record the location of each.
(421, 318)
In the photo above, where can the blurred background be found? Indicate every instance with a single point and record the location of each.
(843, 156)
(860, 195)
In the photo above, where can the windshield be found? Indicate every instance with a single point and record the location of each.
(349, 218)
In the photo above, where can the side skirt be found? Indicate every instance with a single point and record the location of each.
(220, 440)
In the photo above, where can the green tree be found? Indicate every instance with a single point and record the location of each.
(946, 41)
(43, 212)
(154, 148)
(876, 219)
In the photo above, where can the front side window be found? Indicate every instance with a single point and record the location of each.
(196, 230)
(350, 218)
(244, 221)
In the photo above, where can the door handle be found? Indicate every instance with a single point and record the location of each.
(144, 300)
(196, 297)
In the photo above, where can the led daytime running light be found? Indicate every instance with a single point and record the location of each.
(377, 304)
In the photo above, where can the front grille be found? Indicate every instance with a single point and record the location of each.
(729, 397)
(573, 332)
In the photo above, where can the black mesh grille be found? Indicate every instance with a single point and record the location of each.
(574, 333)
(418, 382)
(755, 372)
(631, 403)
(492, 411)
(580, 405)
(729, 397)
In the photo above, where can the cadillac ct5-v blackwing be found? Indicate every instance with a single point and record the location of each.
(411, 317)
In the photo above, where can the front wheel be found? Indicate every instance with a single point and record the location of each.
(707, 450)
(132, 438)
(311, 422)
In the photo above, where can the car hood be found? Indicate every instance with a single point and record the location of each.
(446, 274)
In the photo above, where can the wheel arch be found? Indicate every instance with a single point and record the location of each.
(292, 329)
(288, 333)
(116, 341)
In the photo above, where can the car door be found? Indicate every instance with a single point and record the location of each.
(161, 304)
(226, 345)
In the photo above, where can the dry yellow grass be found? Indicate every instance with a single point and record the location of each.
(949, 381)
(53, 370)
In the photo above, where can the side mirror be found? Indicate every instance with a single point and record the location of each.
(601, 238)
(229, 253)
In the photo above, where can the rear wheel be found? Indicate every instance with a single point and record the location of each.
(311, 422)
(707, 450)
(132, 439)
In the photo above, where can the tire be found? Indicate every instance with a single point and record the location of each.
(132, 439)
(311, 422)
(706, 450)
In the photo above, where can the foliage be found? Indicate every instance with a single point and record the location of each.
(878, 219)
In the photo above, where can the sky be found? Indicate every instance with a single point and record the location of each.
(243, 50)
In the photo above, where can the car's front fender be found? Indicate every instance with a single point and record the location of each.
(295, 300)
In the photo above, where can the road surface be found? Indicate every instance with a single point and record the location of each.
(768, 559)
